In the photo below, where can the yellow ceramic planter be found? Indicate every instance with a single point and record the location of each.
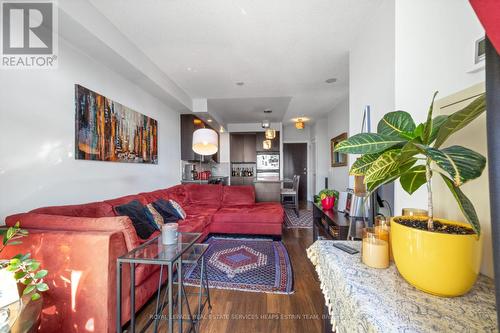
(437, 263)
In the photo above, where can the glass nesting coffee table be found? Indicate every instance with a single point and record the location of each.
(170, 258)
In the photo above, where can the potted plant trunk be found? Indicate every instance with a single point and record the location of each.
(435, 255)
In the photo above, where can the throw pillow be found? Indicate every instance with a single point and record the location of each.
(157, 218)
(166, 210)
(140, 216)
(180, 212)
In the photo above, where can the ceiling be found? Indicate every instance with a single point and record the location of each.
(283, 50)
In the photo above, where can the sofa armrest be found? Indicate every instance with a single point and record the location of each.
(81, 278)
(82, 224)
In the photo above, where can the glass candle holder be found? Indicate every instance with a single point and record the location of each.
(375, 247)
(414, 212)
(383, 223)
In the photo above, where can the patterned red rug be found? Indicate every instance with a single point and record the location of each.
(305, 219)
(257, 265)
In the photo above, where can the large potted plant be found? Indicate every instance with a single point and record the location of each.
(438, 256)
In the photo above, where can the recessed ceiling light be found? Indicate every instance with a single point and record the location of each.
(331, 80)
(268, 111)
(240, 83)
(209, 120)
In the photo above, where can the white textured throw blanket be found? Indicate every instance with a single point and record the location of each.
(364, 299)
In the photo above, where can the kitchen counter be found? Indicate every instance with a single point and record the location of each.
(271, 180)
(198, 181)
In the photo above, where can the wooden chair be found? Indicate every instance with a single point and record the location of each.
(292, 193)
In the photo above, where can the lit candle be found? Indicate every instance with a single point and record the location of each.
(375, 247)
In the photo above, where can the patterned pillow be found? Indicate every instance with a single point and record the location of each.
(180, 212)
(156, 215)
(166, 210)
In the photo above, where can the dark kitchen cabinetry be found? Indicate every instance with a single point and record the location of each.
(242, 148)
(189, 124)
(275, 146)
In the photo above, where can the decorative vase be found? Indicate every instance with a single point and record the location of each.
(327, 203)
(437, 263)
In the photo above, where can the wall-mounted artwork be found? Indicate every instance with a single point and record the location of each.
(337, 159)
(108, 131)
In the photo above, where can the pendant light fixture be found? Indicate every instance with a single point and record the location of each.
(266, 144)
(205, 141)
(270, 133)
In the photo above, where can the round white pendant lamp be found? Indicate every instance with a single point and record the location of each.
(205, 141)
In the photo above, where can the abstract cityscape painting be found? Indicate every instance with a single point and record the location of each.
(108, 131)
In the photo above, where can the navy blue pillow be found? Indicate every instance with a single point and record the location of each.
(141, 217)
(166, 210)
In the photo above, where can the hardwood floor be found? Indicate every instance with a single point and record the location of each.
(237, 311)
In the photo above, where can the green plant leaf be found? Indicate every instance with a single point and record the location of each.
(419, 131)
(27, 281)
(29, 289)
(460, 119)
(35, 297)
(19, 275)
(367, 143)
(33, 266)
(362, 164)
(397, 123)
(462, 164)
(41, 273)
(386, 165)
(428, 124)
(42, 286)
(412, 179)
(436, 125)
(465, 205)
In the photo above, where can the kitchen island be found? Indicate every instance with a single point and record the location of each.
(268, 189)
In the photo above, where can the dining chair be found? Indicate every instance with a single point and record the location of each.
(293, 194)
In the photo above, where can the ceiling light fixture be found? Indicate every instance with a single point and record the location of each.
(209, 120)
(299, 124)
(270, 133)
(266, 144)
(240, 83)
(331, 80)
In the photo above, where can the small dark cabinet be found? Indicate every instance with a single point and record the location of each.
(189, 124)
(242, 148)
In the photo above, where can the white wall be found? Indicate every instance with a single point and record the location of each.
(291, 134)
(322, 143)
(433, 52)
(338, 123)
(436, 52)
(37, 115)
(371, 70)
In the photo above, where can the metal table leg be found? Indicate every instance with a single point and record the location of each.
(179, 294)
(157, 315)
(170, 303)
(132, 298)
(118, 296)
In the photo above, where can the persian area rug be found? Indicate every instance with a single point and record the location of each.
(305, 219)
(256, 265)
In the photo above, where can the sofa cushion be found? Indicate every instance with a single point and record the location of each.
(197, 209)
(126, 199)
(166, 210)
(194, 223)
(93, 209)
(204, 194)
(177, 193)
(265, 212)
(141, 218)
(155, 195)
(238, 195)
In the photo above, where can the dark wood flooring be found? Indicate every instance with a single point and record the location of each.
(237, 311)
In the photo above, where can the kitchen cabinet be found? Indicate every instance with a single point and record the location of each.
(242, 148)
(275, 143)
(189, 124)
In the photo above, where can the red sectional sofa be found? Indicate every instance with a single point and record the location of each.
(79, 245)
